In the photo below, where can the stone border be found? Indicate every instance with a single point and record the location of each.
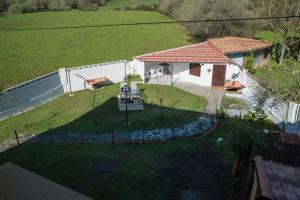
(201, 127)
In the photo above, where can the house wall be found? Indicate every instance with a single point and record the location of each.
(182, 71)
(259, 57)
(237, 58)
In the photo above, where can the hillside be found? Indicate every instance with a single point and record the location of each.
(25, 54)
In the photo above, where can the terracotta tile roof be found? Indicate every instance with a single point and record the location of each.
(197, 53)
(278, 181)
(234, 85)
(98, 80)
(237, 44)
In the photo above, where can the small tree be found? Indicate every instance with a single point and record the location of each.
(286, 30)
(159, 92)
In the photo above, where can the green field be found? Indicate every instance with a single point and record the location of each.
(73, 114)
(32, 52)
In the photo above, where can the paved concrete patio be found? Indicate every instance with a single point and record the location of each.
(213, 96)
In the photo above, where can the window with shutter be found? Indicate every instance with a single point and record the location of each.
(195, 69)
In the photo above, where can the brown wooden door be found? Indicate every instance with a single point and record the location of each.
(219, 72)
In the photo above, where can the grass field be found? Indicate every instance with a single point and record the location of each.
(30, 53)
(72, 114)
(135, 171)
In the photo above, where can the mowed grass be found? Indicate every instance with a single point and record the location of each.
(75, 113)
(26, 54)
(129, 171)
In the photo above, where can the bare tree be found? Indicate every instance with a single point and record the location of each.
(270, 87)
(286, 30)
(159, 92)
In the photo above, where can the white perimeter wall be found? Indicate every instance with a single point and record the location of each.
(137, 67)
(279, 112)
(74, 78)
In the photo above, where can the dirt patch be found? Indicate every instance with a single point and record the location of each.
(102, 170)
(203, 174)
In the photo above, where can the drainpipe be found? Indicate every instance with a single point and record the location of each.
(172, 75)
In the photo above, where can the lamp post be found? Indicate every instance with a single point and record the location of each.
(126, 107)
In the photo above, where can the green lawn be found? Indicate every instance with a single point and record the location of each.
(30, 53)
(131, 171)
(75, 113)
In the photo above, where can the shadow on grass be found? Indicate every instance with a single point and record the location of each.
(108, 117)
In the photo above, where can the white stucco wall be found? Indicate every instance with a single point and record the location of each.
(114, 71)
(138, 67)
(182, 72)
(233, 73)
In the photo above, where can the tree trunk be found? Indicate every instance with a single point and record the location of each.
(283, 49)
(161, 111)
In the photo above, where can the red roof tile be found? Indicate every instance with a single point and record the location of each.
(197, 53)
(237, 44)
(234, 85)
(278, 181)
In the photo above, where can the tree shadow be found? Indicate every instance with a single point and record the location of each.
(107, 117)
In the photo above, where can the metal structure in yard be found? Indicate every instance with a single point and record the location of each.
(30, 94)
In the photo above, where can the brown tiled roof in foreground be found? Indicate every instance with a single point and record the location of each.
(237, 44)
(278, 181)
(289, 138)
(197, 53)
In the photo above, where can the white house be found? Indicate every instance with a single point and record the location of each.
(206, 63)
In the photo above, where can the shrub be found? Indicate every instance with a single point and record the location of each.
(143, 7)
(15, 8)
(258, 115)
(249, 64)
(242, 139)
(88, 6)
(2, 87)
(132, 77)
(222, 113)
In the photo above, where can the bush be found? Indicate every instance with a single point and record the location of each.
(249, 64)
(131, 77)
(88, 6)
(222, 113)
(15, 8)
(242, 139)
(257, 116)
(2, 87)
(143, 7)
